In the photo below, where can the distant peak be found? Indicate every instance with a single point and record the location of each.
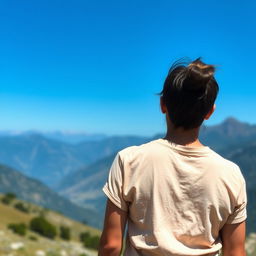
(35, 136)
(231, 120)
(233, 127)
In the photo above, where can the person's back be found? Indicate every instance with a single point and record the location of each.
(178, 196)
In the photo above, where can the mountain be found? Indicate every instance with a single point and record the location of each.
(230, 132)
(36, 192)
(107, 147)
(38, 157)
(63, 136)
(49, 160)
(46, 157)
(73, 137)
(84, 187)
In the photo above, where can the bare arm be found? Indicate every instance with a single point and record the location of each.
(233, 238)
(114, 227)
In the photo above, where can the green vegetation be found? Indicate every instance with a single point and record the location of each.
(65, 233)
(21, 207)
(35, 241)
(84, 236)
(43, 227)
(20, 228)
(33, 238)
(52, 254)
(90, 241)
(8, 198)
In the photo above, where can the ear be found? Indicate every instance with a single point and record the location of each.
(210, 112)
(163, 106)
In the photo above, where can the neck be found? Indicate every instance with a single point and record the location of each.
(183, 137)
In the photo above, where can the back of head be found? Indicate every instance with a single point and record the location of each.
(189, 93)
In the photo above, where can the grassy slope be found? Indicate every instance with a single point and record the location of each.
(8, 214)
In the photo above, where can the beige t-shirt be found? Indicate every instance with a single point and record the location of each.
(177, 197)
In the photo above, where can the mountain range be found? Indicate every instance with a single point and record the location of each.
(71, 137)
(78, 171)
(50, 160)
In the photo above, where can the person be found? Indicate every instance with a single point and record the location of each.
(177, 196)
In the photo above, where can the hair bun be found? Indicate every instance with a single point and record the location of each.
(198, 75)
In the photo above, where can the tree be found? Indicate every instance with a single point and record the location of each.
(43, 227)
(21, 207)
(90, 241)
(20, 228)
(8, 198)
(93, 242)
(84, 236)
(10, 195)
(65, 233)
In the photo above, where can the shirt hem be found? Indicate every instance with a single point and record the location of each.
(238, 220)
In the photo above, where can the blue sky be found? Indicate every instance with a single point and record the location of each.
(96, 66)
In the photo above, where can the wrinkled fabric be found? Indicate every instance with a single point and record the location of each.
(177, 197)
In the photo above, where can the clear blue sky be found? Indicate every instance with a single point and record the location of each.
(95, 66)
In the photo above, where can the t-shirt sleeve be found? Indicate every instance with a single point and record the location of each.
(239, 214)
(114, 186)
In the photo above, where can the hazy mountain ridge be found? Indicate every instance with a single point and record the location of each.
(81, 170)
(230, 132)
(38, 157)
(49, 160)
(70, 137)
(84, 187)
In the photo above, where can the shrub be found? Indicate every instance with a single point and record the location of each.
(10, 195)
(93, 242)
(84, 236)
(43, 227)
(33, 238)
(65, 233)
(21, 207)
(90, 241)
(8, 198)
(20, 228)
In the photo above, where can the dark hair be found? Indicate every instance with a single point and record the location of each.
(189, 93)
